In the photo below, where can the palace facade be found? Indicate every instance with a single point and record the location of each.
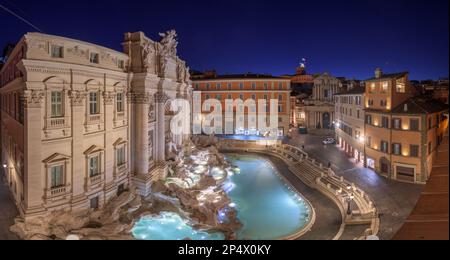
(80, 123)
(247, 87)
(319, 109)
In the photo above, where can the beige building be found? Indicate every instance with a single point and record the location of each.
(402, 131)
(349, 122)
(247, 87)
(80, 123)
(319, 109)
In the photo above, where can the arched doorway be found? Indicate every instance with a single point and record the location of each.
(326, 120)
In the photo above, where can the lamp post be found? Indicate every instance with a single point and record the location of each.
(349, 204)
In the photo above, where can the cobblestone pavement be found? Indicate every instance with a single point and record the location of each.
(394, 200)
(8, 211)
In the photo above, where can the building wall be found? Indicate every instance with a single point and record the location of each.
(350, 113)
(245, 89)
(422, 163)
(73, 136)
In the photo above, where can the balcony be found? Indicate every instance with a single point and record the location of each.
(95, 179)
(94, 118)
(57, 191)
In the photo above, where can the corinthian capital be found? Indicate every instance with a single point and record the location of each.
(140, 98)
(77, 97)
(33, 98)
(161, 97)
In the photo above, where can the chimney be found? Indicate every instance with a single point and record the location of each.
(405, 108)
(378, 73)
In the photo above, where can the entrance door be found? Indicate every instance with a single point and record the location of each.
(326, 120)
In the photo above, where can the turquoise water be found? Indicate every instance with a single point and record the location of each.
(169, 226)
(266, 206)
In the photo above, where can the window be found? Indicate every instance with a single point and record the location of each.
(120, 64)
(280, 97)
(325, 93)
(241, 97)
(368, 119)
(93, 57)
(414, 124)
(94, 166)
(254, 97)
(229, 86)
(414, 150)
(385, 122)
(57, 51)
(266, 86)
(280, 86)
(208, 86)
(56, 104)
(93, 103)
(119, 102)
(57, 176)
(400, 87)
(206, 96)
(372, 88)
(397, 122)
(218, 86)
(196, 86)
(384, 146)
(219, 97)
(383, 103)
(369, 141)
(266, 97)
(280, 108)
(229, 96)
(241, 85)
(120, 156)
(357, 113)
(384, 87)
(397, 149)
(253, 86)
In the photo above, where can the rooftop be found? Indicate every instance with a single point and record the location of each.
(353, 91)
(390, 76)
(420, 105)
(237, 76)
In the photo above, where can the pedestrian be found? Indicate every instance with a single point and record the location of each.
(329, 165)
(303, 147)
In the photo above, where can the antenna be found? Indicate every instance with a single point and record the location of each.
(20, 18)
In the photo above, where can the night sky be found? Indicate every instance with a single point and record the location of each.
(345, 38)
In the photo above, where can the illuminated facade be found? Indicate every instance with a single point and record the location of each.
(349, 124)
(402, 132)
(244, 87)
(80, 123)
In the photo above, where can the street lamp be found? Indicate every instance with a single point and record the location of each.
(349, 204)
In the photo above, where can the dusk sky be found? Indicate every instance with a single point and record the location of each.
(345, 38)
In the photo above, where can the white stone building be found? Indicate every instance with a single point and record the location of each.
(80, 123)
(319, 109)
(349, 122)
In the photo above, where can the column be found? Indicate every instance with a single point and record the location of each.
(33, 184)
(141, 104)
(160, 99)
(108, 99)
(77, 98)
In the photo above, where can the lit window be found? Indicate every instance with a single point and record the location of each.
(400, 87)
(372, 88)
(56, 104)
(384, 87)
